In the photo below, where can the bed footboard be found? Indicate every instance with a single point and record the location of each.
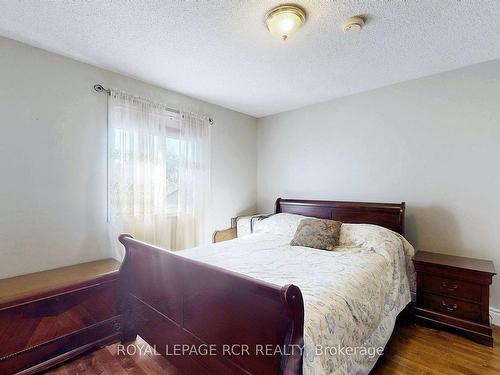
(208, 320)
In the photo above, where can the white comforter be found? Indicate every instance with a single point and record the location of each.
(351, 296)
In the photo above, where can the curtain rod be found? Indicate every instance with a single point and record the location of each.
(99, 88)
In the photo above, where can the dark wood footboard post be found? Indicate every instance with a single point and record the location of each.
(291, 364)
(129, 330)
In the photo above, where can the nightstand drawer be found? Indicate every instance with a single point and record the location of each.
(449, 287)
(451, 306)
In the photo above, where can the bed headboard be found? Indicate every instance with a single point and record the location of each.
(388, 215)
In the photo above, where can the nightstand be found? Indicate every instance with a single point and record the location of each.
(453, 292)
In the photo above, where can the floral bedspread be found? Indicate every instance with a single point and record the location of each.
(352, 295)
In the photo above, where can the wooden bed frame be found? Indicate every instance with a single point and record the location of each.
(208, 320)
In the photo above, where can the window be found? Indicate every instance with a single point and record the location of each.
(158, 172)
(146, 169)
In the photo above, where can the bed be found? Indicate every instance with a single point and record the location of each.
(256, 305)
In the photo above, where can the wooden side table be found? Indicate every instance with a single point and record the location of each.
(453, 292)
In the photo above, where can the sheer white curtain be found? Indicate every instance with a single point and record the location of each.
(158, 177)
(194, 180)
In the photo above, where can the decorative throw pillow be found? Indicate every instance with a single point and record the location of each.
(317, 233)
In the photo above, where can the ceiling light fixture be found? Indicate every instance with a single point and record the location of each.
(285, 20)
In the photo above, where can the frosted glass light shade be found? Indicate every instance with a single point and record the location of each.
(285, 20)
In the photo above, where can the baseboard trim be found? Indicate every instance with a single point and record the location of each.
(495, 316)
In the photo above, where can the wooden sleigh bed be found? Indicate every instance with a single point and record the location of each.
(203, 318)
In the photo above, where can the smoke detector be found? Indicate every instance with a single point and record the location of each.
(353, 24)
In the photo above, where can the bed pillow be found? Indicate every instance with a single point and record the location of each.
(365, 235)
(317, 233)
(377, 238)
(281, 224)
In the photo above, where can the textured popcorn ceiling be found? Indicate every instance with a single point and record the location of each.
(221, 52)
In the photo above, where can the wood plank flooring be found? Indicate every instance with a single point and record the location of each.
(420, 350)
(411, 350)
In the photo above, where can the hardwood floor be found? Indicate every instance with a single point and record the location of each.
(420, 350)
(108, 361)
(411, 350)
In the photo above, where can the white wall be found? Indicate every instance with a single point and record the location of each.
(53, 158)
(432, 142)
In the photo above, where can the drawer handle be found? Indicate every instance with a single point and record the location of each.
(449, 308)
(450, 288)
